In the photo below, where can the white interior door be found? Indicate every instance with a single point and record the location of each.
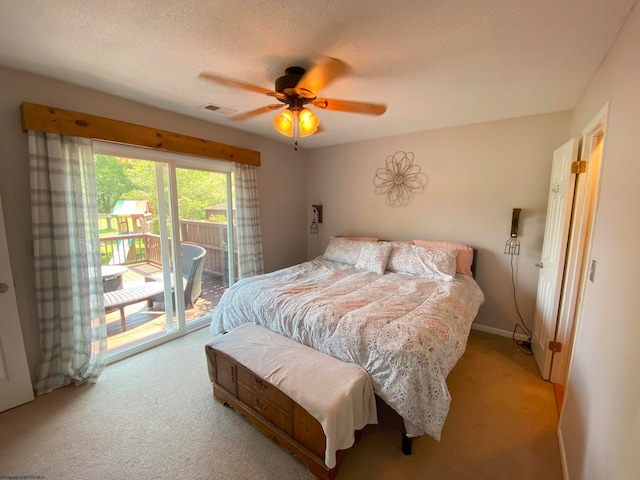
(556, 233)
(15, 382)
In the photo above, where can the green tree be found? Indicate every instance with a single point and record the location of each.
(113, 179)
(121, 178)
(197, 190)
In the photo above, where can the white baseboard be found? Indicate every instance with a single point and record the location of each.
(497, 331)
(563, 457)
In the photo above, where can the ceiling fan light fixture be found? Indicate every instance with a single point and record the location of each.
(303, 122)
(308, 122)
(284, 122)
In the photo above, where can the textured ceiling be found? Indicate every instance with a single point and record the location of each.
(435, 63)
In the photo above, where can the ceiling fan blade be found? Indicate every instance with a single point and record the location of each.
(234, 83)
(257, 111)
(325, 71)
(347, 106)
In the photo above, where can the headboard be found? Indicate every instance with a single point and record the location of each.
(473, 262)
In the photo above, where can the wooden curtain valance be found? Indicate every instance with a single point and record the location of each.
(66, 122)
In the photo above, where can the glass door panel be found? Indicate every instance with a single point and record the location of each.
(204, 216)
(166, 245)
(136, 249)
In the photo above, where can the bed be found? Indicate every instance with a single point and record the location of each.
(402, 311)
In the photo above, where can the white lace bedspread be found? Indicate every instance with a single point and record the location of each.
(408, 333)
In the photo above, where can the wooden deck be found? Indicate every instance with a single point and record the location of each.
(144, 323)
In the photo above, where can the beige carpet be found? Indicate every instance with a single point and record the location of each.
(153, 417)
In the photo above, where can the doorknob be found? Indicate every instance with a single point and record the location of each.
(539, 265)
(3, 287)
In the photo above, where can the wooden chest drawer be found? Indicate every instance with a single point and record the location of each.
(265, 390)
(265, 408)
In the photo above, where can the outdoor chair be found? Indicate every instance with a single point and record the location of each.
(192, 265)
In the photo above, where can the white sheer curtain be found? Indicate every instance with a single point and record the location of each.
(250, 261)
(73, 334)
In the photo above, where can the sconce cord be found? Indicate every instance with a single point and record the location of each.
(523, 345)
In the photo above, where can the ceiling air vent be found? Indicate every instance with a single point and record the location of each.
(218, 109)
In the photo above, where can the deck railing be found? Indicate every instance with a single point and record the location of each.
(212, 237)
(123, 249)
(145, 247)
(153, 243)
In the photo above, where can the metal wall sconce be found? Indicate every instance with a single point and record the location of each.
(512, 247)
(317, 218)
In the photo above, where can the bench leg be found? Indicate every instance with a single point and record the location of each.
(123, 322)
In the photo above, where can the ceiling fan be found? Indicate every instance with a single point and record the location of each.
(296, 89)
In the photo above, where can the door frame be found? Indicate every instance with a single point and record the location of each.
(172, 160)
(578, 269)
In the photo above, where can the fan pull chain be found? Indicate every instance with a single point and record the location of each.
(296, 130)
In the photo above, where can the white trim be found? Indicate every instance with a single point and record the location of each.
(148, 345)
(174, 219)
(172, 158)
(127, 351)
(598, 121)
(578, 262)
(563, 456)
(497, 331)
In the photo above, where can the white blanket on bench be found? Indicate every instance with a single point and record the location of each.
(339, 395)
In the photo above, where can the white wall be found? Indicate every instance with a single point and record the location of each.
(600, 422)
(281, 178)
(477, 175)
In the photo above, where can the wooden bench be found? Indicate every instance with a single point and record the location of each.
(314, 405)
(118, 299)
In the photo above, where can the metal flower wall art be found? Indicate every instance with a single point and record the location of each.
(399, 179)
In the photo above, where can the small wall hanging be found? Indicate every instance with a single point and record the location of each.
(399, 179)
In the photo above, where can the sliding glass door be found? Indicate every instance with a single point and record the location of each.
(205, 215)
(167, 237)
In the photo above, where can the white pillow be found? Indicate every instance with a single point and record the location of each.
(373, 257)
(432, 263)
(343, 250)
(465, 253)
